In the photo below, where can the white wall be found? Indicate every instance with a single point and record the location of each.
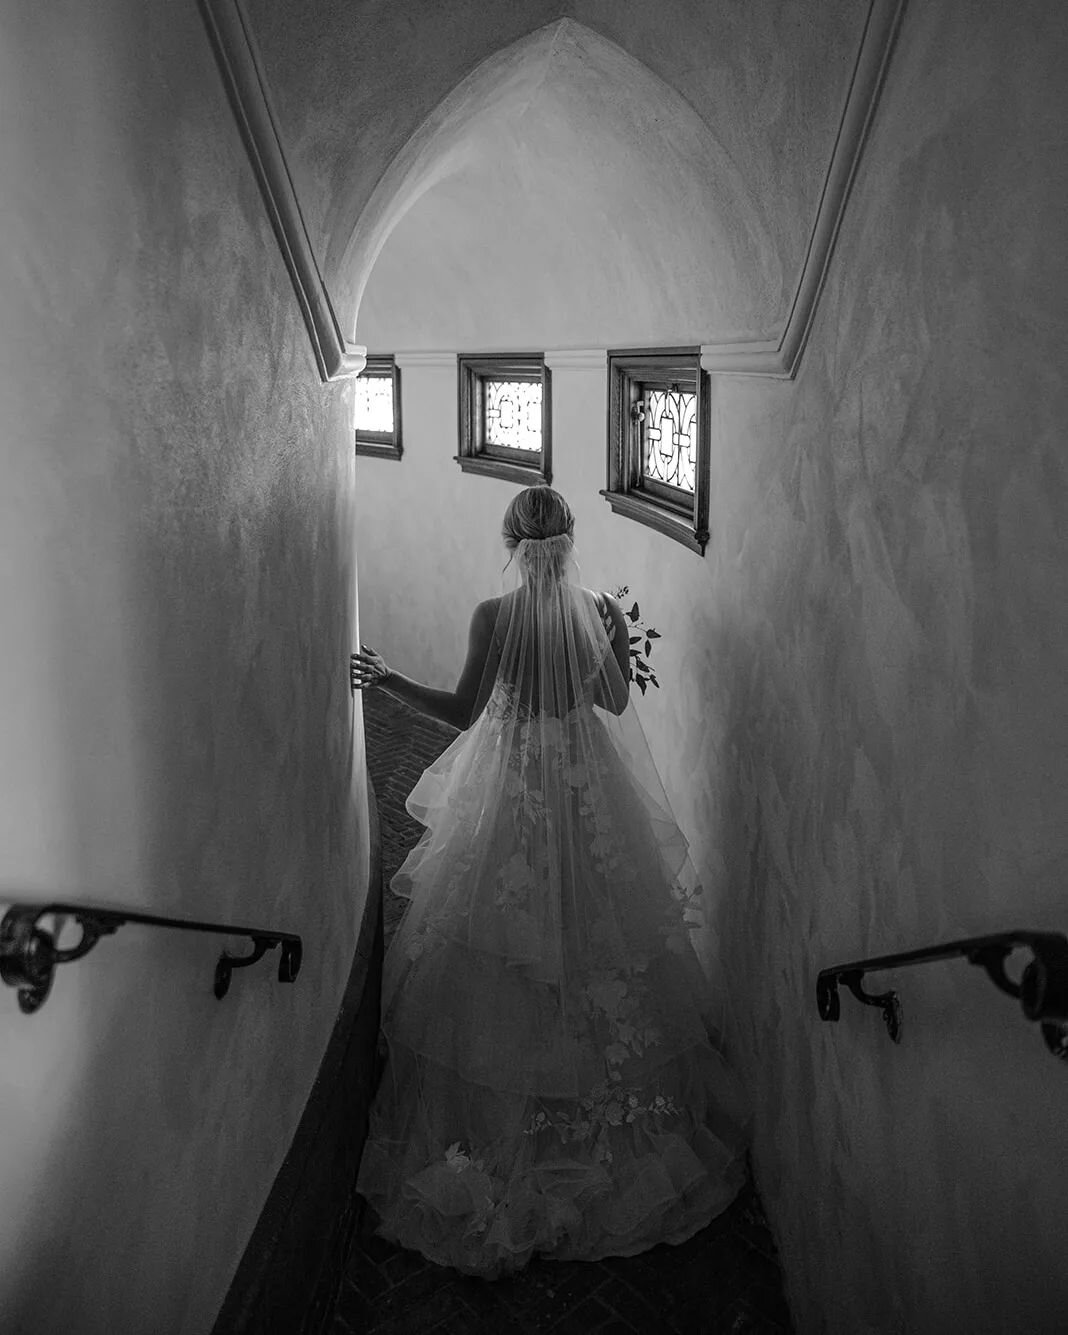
(177, 598)
(863, 724)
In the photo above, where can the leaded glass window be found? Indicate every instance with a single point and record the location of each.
(377, 408)
(669, 437)
(505, 416)
(658, 441)
(512, 414)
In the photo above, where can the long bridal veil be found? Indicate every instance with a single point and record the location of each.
(550, 1083)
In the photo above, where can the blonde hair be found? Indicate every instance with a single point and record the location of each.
(536, 512)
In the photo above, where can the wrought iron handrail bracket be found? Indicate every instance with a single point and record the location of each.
(1042, 990)
(30, 952)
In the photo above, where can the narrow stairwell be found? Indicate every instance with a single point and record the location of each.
(725, 1279)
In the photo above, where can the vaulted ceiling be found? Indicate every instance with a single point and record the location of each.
(600, 172)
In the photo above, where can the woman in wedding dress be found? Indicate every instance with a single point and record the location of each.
(550, 1085)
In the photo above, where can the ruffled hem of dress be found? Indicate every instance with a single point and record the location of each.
(568, 1210)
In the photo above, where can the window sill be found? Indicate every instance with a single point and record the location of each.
(526, 474)
(373, 449)
(671, 524)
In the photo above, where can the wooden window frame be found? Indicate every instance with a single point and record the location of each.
(383, 444)
(525, 466)
(670, 510)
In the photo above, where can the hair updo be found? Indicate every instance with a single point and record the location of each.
(536, 512)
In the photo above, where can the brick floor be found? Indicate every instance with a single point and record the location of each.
(724, 1281)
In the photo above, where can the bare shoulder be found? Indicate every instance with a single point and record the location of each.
(606, 604)
(484, 618)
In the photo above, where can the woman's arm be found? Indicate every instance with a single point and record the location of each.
(368, 669)
(620, 644)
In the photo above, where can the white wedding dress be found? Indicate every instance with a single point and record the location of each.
(550, 1086)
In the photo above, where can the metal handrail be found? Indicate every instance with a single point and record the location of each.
(1042, 990)
(29, 953)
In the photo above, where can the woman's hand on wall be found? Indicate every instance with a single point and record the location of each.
(367, 668)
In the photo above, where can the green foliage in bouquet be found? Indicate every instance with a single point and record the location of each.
(641, 643)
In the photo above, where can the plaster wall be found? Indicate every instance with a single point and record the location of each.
(177, 585)
(863, 725)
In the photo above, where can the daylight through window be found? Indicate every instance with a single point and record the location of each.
(377, 408)
(512, 411)
(374, 404)
(505, 416)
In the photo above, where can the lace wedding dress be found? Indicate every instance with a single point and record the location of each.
(550, 1085)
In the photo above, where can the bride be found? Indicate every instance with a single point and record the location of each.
(550, 1086)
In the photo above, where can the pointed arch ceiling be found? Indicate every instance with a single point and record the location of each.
(562, 195)
(429, 144)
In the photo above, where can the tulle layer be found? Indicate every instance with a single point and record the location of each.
(481, 1180)
(496, 1026)
(544, 850)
